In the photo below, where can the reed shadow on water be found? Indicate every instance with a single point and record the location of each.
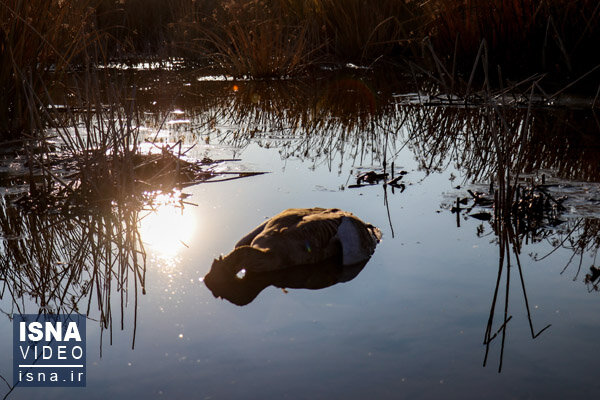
(503, 149)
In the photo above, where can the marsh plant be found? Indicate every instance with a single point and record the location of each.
(71, 262)
(523, 35)
(40, 40)
(281, 37)
(250, 38)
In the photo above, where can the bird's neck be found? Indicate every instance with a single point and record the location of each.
(250, 259)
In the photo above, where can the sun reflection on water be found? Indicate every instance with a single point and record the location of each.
(167, 228)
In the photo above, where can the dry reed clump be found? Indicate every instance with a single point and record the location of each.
(135, 25)
(42, 39)
(281, 37)
(523, 36)
(258, 38)
(265, 38)
(145, 28)
(361, 31)
(38, 37)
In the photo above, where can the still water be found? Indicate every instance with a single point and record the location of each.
(411, 324)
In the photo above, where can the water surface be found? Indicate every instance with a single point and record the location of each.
(412, 323)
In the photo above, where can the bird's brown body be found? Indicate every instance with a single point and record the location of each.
(300, 236)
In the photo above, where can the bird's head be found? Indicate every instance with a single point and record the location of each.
(225, 281)
(220, 267)
(217, 272)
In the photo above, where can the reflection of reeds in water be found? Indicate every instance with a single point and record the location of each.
(69, 239)
(499, 144)
(64, 263)
(564, 141)
(581, 238)
(359, 116)
(516, 215)
(510, 239)
(91, 154)
(519, 219)
(71, 242)
(318, 120)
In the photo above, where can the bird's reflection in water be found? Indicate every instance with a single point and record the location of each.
(243, 289)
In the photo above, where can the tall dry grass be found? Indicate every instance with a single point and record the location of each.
(258, 38)
(42, 39)
(38, 39)
(362, 31)
(523, 36)
(282, 37)
(277, 37)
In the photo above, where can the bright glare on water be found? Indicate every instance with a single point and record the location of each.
(167, 228)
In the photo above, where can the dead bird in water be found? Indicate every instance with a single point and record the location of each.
(302, 236)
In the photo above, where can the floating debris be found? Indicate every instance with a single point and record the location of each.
(372, 177)
(529, 206)
(593, 278)
(482, 216)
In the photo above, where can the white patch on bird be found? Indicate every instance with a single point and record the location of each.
(352, 249)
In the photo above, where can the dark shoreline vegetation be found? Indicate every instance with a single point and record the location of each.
(497, 89)
(459, 45)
